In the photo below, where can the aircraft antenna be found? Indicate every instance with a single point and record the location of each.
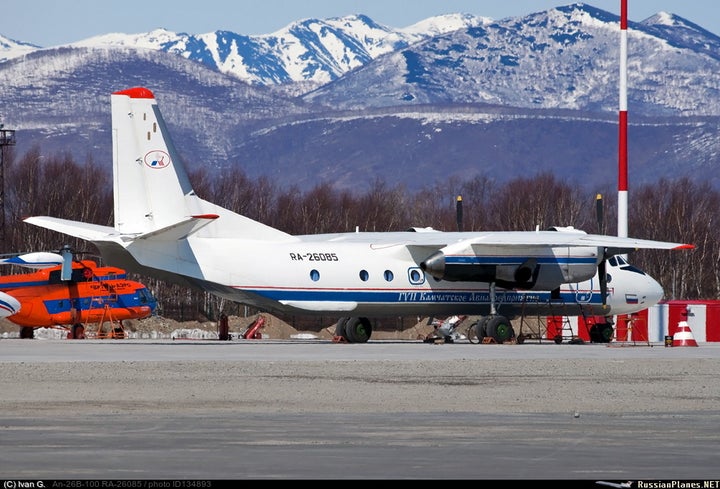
(623, 148)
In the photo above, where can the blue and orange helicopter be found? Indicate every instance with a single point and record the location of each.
(71, 294)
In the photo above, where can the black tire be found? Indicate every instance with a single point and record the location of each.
(601, 333)
(500, 329)
(472, 334)
(78, 332)
(358, 330)
(607, 332)
(340, 328)
(478, 330)
(27, 333)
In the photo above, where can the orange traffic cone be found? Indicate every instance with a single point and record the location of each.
(683, 336)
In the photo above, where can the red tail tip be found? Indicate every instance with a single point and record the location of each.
(136, 92)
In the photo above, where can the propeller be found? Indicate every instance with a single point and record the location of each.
(602, 266)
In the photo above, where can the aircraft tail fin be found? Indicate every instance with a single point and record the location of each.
(151, 187)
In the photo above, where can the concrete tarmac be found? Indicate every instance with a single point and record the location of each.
(311, 409)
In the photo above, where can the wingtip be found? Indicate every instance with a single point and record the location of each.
(685, 247)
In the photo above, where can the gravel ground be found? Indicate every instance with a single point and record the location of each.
(488, 386)
(272, 409)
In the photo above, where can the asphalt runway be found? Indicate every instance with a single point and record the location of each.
(297, 409)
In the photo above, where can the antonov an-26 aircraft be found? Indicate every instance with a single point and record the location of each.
(163, 229)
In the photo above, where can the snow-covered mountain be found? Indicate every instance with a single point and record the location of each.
(309, 50)
(10, 48)
(350, 101)
(565, 58)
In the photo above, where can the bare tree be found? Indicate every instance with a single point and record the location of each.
(672, 210)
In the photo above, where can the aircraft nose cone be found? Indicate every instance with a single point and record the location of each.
(654, 292)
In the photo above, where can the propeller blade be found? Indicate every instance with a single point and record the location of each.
(599, 214)
(602, 274)
(602, 266)
(459, 213)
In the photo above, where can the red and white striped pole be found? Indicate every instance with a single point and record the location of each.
(623, 147)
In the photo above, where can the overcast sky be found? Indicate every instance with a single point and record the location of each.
(52, 22)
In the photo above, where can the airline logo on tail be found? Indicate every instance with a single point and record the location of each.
(157, 159)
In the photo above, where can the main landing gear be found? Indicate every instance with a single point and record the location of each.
(77, 332)
(353, 330)
(493, 328)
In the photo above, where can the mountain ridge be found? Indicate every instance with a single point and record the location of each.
(439, 107)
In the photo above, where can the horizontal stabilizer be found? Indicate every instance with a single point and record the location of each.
(182, 229)
(82, 230)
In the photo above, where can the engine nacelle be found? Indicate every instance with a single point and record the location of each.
(547, 271)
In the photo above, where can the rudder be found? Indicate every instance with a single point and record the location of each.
(150, 189)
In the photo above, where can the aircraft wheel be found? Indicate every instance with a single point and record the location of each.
(601, 333)
(118, 332)
(78, 332)
(358, 330)
(499, 328)
(27, 333)
(607, 332)
(477, 330)
(471, 334)
(340, 328)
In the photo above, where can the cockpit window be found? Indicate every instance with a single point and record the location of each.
(631, 268)
(619, 261)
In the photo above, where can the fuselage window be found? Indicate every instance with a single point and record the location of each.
(416, 276)
(364, 275)
(388, 276)
(314, 275)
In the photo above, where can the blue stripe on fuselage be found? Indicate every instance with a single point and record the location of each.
(515, 260)
(411, 296)
(114, 301)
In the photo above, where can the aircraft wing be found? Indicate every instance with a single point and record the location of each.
(517, 239)
(617, 245)
(614, 244)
